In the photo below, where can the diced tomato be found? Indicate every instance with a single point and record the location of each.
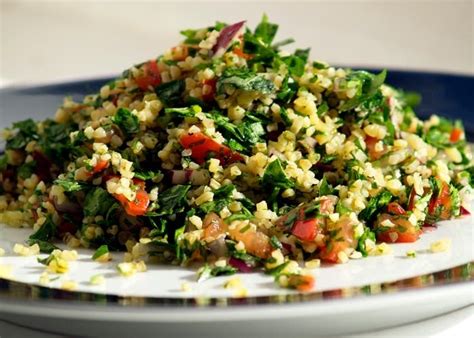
(140, 183)
(411, 200)
(151, 76)
(456, 134)
(209, 95)
(305, 230)
(342, 238)
(65, 227)
(136, 207)
(100, 166)
(180, 53)
(203, 147)
(440, 204)
(401, 237)
(240, 53)
(301, 282)
(370, 142)
(256, 242)
(330, 252)
(395, 209)
(327, 205)
(43, 165)
(402, 231)
(213, 226)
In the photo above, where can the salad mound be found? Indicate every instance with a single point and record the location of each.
(229, 152)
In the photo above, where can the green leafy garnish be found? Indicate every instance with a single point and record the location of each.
(98, 202)
(127, 121)
(101, 250)
(243, 79)
(275, 176)
(46, 231)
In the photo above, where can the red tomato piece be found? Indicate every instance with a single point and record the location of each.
(305, 230)
(370, 142)
(100, 166)
(240, 53)
(203, 146)
(180, 54)
(395, 209)
(441, 200)
(401, 237)
(301, 282)
(65, 227)
(208, 96)
(402, 231)
(343, 239)
(43, 165)
(136, 207)
(151, 76)
(456, 134)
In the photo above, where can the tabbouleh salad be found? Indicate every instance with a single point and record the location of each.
(228, 152)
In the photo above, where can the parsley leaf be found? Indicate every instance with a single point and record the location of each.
(127, 121)
(170, 92)
(98, 202)
(375, 206)
(172, 201)
(46, 231)
(275, 176)
(243, 79)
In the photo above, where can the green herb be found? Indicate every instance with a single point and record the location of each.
(3, 162)
(410, 99)
(69, 184)
(376, 205)
(361, 242)
(243, 79)
(155, 176)
(172, 201)
(284, 117)
(320, 65)
(45, 247)
(27, 131)
(323, 109)
(239, 137)
(368, 86)
(97, 202)
(26, 170)
(295, 63)
(341, 208)
(184, 112)
(207, 272)
(101, 250)
(127, 121)
(46, 231)
(275, 176)
(325, 188)
(222, 198)
(170, 92)
(275, 242)
(277, 270)
(266, 31)
(288, 90)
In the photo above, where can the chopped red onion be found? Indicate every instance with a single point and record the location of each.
(240, 264)
(464, 211)
(226, 36)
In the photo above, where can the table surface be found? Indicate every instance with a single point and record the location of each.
(42, 42)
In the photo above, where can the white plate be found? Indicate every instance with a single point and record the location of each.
(152, 300)
(363, 295)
